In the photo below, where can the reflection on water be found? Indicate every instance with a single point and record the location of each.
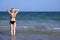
(13, 37)
(35, 37)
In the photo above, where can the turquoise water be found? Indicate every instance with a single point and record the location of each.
(32, 16)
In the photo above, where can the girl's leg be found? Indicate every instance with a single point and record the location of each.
(14, 31)
(11, 29)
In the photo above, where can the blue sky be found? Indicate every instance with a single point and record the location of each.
(31, 5)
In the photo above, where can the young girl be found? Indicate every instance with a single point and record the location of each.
(12, 13)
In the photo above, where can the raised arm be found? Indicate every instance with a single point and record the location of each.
(16, 11)
(9, 11)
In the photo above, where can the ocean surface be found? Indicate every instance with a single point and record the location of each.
(47, 23)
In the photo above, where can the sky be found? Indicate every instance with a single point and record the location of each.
(30, 5)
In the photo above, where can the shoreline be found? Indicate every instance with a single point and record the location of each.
(30, 32)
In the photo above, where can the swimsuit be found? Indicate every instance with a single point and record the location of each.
(12, 22)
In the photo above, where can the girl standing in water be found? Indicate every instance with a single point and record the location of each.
(12, 13)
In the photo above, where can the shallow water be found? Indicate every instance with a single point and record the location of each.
(30, 36)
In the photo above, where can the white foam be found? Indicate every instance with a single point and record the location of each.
(54, 28)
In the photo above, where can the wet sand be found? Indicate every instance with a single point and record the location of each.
(29, 35)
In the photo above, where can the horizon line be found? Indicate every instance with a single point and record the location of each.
(34, 11)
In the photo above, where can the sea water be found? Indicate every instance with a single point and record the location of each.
(32, 26)
(37, 20)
